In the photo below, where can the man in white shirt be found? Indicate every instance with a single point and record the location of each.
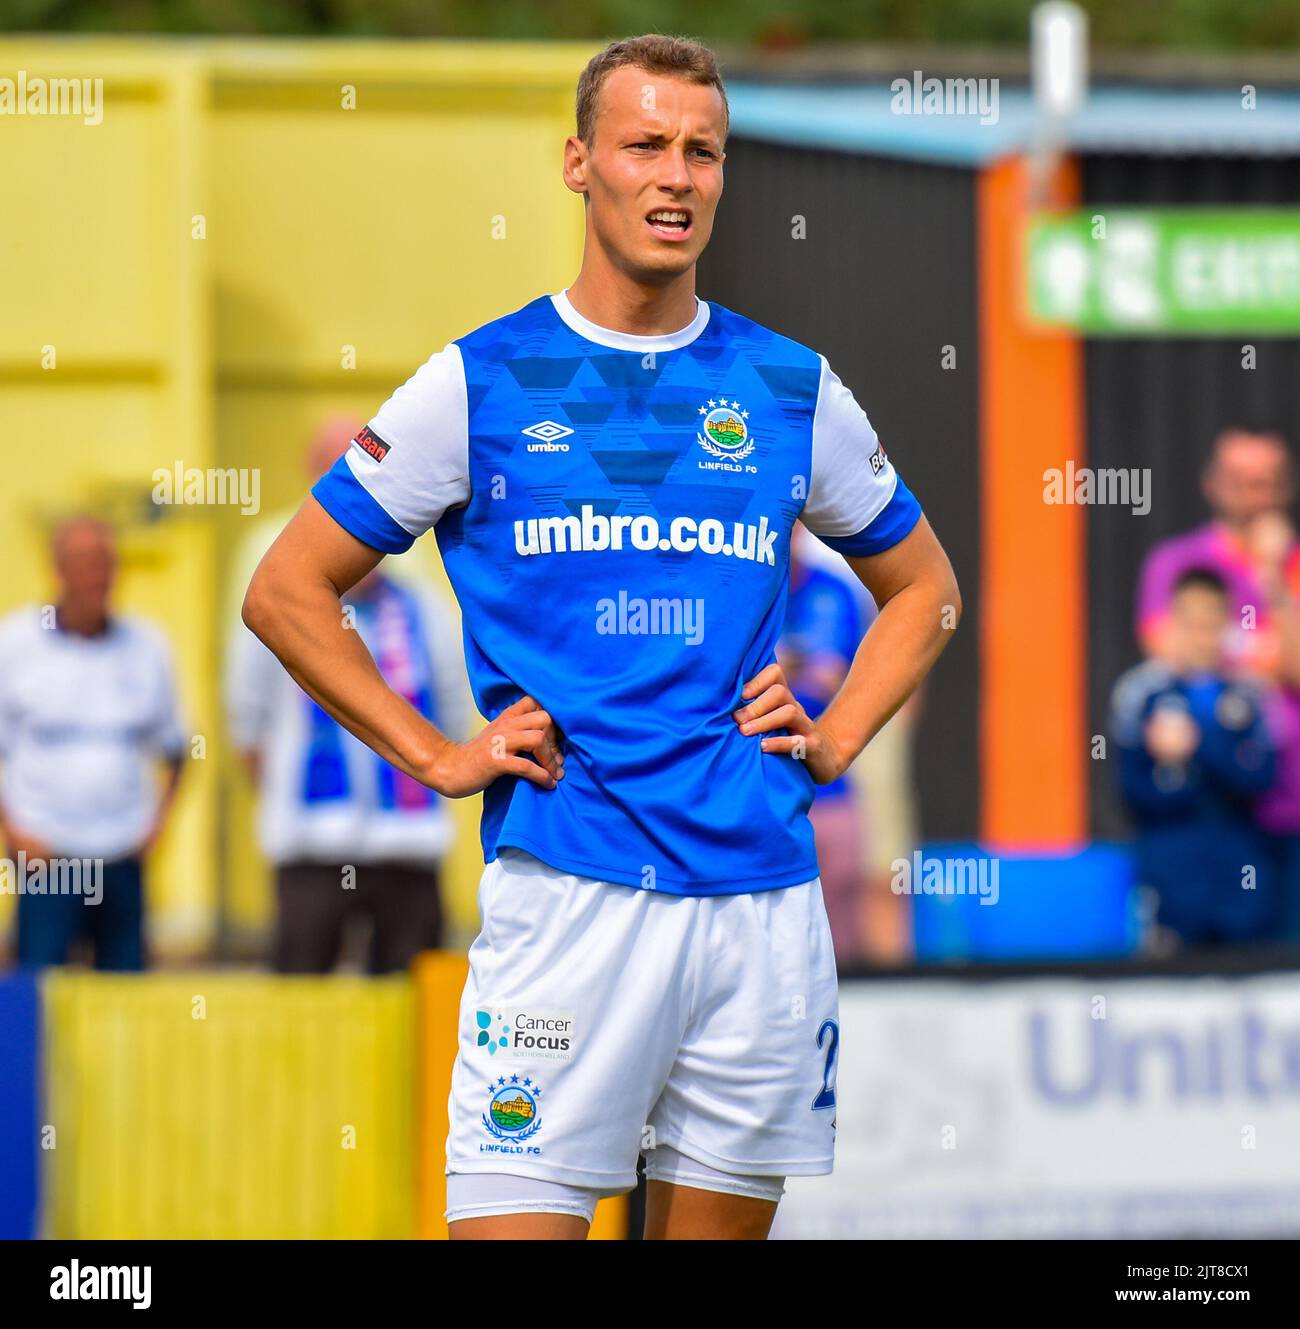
(88, 708)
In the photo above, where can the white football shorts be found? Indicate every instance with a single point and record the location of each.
(601, 1021)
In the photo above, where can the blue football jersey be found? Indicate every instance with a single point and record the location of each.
(614, 514)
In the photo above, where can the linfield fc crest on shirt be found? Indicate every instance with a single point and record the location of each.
(513, 1115)
(724, 433)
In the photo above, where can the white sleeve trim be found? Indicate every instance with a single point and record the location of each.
(846, 491)
(425, 424)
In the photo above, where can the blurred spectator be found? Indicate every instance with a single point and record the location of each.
(823, 626)
(887, 807)
(352, 839)
(1194, 753)
(87, 707)
(1250, 544)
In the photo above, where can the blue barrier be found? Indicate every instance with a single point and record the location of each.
(1077, 906)
(20, 1019)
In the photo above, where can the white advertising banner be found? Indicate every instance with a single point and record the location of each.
(1062, 1107)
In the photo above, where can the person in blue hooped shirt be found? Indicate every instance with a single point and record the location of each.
(612, 473)
(823, 626)
(354, 842)
(1193, 755)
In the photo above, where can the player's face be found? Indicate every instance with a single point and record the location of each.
(653, 174)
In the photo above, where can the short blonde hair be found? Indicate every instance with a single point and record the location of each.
(656, 54)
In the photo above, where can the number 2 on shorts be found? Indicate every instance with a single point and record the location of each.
(829, 1036)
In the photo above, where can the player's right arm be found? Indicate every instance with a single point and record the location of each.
(402, 472)
(294, 605)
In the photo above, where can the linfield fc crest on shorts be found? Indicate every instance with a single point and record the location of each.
(724, 432)
(513, 1115)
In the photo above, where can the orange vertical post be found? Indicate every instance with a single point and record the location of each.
(439, 979)
(1033, 593)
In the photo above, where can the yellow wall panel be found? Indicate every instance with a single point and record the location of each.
(285, 1111)
(88, 239)
(100, 266)
(389, 223)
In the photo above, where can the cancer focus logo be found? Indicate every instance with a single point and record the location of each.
(724, 433)
(512, 1112)
(490, 1037)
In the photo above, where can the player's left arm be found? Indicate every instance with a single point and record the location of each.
(913, 584)
(858, 505)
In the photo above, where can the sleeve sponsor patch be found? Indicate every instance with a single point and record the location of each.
(368, 441)
(878, 459)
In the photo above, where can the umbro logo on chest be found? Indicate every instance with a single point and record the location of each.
(548, 434)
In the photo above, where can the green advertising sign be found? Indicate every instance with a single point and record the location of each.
(1167, 271)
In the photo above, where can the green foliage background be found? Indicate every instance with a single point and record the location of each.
(1195, 25)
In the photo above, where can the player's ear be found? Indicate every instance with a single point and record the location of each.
(575, 164)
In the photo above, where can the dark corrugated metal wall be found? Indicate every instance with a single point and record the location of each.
(883, 280)
(1158, 403)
